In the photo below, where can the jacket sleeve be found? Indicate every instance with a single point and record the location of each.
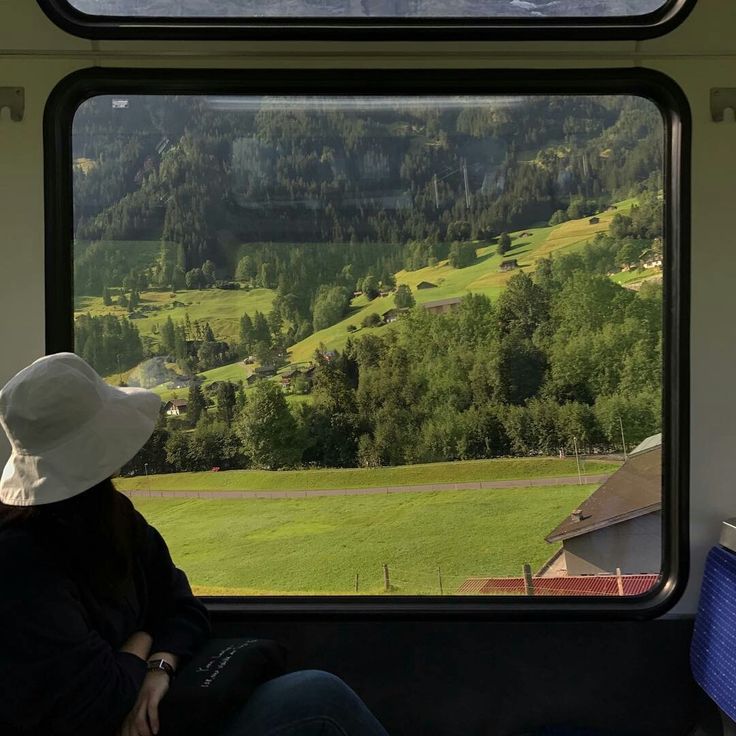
(58, 673)
(177, 620)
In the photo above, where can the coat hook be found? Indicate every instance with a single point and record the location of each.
(13, 98)
(723, 104)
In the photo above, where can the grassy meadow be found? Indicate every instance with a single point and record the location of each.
(318, 545)
(467, 471)
(221, 308)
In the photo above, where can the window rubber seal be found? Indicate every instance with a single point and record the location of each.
(161, 28)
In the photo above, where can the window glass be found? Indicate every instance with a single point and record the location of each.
(532, 9)
(404, 345)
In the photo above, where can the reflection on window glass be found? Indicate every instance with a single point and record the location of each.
(370, 8)
(403, 345)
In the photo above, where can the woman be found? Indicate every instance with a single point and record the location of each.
(94, 617)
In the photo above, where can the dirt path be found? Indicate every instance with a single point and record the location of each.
(430, 487)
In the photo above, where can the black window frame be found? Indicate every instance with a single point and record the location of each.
(73, 90)
(637, 27)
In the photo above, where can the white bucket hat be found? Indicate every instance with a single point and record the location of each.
(68, 429)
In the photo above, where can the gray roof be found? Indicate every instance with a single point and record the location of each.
(635, 489)
(442, 302)
(654, 441)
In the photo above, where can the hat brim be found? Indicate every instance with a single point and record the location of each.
(116, 433)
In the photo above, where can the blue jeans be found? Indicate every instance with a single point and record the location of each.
(305, 703)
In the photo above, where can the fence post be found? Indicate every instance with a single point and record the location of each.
(386, 579)
(528, 582)
(439, 575)
(357, 579)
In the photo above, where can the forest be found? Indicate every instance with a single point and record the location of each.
(318, 203)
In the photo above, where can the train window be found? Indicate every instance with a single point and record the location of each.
(414, 337)
(387, 18)
(370, 9)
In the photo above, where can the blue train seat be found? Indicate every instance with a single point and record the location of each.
(713, 651)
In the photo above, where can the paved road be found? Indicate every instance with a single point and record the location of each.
(430, 487)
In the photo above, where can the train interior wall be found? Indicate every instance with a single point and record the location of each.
(449, 677)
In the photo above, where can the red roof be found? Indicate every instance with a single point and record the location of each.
(569, 585)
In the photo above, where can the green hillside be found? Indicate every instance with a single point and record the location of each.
(132, 254)
(483, 277)
(221, 308)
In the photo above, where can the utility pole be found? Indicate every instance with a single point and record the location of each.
(577, 460)
(528, 580)
(619, 581)
(436, 193)
(467, 185)
(623, 439)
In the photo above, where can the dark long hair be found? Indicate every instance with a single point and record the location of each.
(94, 535)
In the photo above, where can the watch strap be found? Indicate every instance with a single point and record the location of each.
(160, 664)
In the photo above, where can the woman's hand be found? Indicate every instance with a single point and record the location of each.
(143, 718)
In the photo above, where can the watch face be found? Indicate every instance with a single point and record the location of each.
(162, 665)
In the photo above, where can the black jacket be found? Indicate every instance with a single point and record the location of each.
(60, 669)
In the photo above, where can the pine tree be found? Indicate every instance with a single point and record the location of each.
(168, 337)
(404, 299)
(196, 404)
(261, 330)
(504, 244)
(240, 399)
(226, 402)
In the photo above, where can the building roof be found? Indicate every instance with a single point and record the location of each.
(635, 489)
(598, 585)
(177, 402)
(426, 285)
(442, 302)
(649, 443)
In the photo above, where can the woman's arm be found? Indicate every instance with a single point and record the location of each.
(139, 643)
(58, 673)
(178, 621)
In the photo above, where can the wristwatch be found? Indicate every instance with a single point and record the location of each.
(154, 665)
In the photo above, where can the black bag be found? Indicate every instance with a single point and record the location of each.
(216, 682)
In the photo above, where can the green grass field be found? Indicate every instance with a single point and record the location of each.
(318, 545)
(339, 478)
(636, 276)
